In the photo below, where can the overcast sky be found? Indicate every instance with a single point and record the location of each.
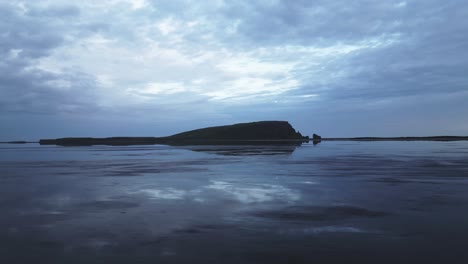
(157, 67)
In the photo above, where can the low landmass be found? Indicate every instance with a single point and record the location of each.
(254, 133)
(16, 142)
(431, 138)
(263, 132)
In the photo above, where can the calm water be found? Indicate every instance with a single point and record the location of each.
(336, 202)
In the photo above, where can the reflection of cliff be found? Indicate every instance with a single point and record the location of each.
(256, 133)
(246, 150)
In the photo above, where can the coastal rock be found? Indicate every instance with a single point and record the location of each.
(263, 130)
(316, 137)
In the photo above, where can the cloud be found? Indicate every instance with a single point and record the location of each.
(233, 59)
(53, 12)
(28, 37)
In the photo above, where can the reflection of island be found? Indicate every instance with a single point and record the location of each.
(255, 133)
(246, 149)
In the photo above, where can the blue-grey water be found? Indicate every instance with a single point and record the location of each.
(336, 202)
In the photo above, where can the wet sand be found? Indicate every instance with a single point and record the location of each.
(335, 202)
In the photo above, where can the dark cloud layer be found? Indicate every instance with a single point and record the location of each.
(27, 37)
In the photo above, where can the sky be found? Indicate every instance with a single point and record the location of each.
(156, 67)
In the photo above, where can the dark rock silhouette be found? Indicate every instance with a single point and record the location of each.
(263, 132)
(316, 137)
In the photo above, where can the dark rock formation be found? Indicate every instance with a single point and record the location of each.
(264, 132)
(316, 139)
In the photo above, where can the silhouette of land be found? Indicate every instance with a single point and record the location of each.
(254, 133)
(16, 142)
(263, 132)
(432, 138)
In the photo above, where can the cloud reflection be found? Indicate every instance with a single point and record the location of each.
(256, 194)
(166, 194)
(244, 194)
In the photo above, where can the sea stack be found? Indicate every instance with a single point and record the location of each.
(316, 137)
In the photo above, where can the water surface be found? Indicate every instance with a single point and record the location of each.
(336, 202)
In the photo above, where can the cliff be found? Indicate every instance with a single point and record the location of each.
(264, 130)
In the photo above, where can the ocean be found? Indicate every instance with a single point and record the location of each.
(334, 202)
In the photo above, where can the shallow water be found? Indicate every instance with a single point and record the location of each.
(368, 202)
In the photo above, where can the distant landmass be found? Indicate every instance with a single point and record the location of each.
(17, 142)
(431, 138)
(254, 133)
(278, 132)
(264, 130)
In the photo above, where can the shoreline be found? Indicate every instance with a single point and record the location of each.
(127, 141)
(431, 138)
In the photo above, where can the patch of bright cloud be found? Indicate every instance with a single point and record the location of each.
(244, 88)
(250, 66)
(167, 26)
(401, 4)
(162, 88)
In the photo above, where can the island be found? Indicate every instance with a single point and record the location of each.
(262, 132)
